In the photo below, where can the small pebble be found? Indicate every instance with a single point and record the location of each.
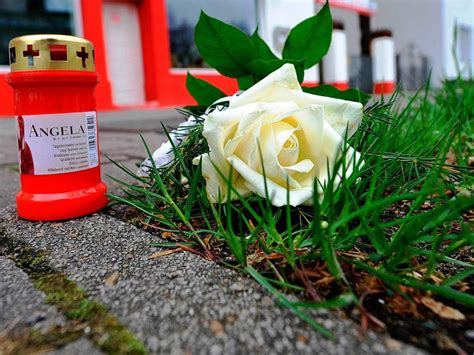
(153, 343)
(112, 279)
(429, 325)
(35, 319)
(393, 344)
(238, 286)
(216, 327)
(267, 301)
(469, 334)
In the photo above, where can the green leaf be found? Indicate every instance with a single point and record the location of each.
(310, 39)
(261, 68)
(331, 91)
(204, 93)
(245, 82)
(261, 47)
(224, 47)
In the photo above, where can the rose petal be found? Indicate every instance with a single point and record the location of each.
(340, 114)
(269, 158)
(216, 185)
(219, 127)
(304, 166)
(276, 193)
(272, 88)
(249, 125)
(310, 134)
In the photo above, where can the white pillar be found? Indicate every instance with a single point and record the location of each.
(277, 17)
(335, 71)
(383, 62)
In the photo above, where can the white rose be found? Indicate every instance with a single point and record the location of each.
(299, 134)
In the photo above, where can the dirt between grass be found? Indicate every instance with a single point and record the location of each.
(410, 315)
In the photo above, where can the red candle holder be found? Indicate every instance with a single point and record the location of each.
(54, 79)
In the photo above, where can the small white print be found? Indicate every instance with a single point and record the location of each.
(57, 143)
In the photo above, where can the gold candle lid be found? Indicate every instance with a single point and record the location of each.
(51, 52)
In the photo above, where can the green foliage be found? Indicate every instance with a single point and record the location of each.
(245, 82)
(413, 155)
(261, 47)
(224, 47)
(331, 91)
(249, 59)
(310, 39)
(260, 68)
(204, 93)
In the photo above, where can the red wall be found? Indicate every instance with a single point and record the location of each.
(92, 20)
(162, 86)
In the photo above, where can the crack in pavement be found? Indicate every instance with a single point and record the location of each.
(81, 317)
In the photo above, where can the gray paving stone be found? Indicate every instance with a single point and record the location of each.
(7, 127)
(22, 307)
(138, 120)
(9, 185)
(120, 145)
(79, 347)
(21, 304)
(9, 149)
(182, 303)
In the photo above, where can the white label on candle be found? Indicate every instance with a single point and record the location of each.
(57, 143)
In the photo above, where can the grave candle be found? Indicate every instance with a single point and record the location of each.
(54, 79)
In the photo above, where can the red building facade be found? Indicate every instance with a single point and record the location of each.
(144, 48)
(164, 86)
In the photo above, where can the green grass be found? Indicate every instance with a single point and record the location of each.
(392, 219)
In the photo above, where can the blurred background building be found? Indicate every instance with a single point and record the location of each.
(144, 48)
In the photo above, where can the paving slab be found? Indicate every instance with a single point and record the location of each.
(176, 304)
(181, 303)
(9, 151)
(9, 180)
(126, 149)
(78, 347)
(23, 309)
(142, 120)
(9, 185)
(21, 304)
